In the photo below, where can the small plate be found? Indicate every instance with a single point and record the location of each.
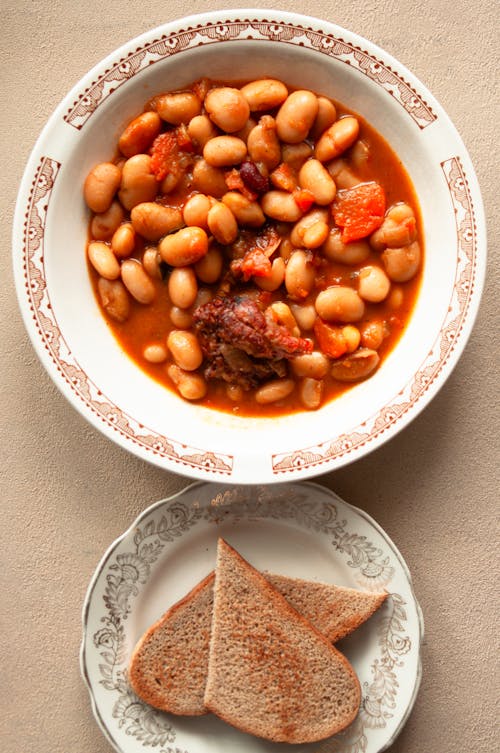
(301, 530)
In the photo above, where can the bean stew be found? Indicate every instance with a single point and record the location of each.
(255, 248)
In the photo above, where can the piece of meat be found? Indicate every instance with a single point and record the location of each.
(241, 344)
(235, 367)
(252, 254)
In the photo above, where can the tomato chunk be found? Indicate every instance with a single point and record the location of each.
(166, 151)
(284, 178)
(235, 182)
(303, 198)
(331, 339)
(164, 154)
(255, 264)
(359, 210)
(184, 140)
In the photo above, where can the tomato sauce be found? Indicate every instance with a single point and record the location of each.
(151, 323)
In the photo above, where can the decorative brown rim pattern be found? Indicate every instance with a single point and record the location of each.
(290, 462)
(248, 30)
(61, 355)
(437, 357)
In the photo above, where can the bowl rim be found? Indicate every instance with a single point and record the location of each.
(314, 459)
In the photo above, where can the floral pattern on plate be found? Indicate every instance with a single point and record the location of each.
(298, 529)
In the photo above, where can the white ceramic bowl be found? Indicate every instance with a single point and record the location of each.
(69, 332)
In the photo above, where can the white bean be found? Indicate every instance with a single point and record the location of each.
(315, 235)
(223, 151)
(178, 107)
(138, 184)
(352, 253)
(209, 269)
(186, 246)
(296, 116)
(281, 313)
(281, 206)
(352, 337)
(180, 318)
(275, 390)
(400, 212)
(100, 186)
(155, 353)
(339, 304)
(263, 143)
(172, 179)
(337, 138)
(286, 249)
(295, 155)
(234, 392)
(276, 278)
(151, 262)
(103, 260)
(114, 298)
(373, 284)
(316, 179)
(201, 129)
(185, 349)
(398, 229)
(140, 134)
(372, 334)
(222, 224)
(248, 213)
(123, 240)
(190, 386)
(299, 275)
(396, 297)
(327, 114)
(103, 225)
(305, 315)
(355, 366)
(360, 154)
(227, 108)
(244, 132)
(182, 287)
(311, 393)
(264, 94)
(342, 174)
(137, 281)
(208, 179)
(153, 221)
(196, 210)
(401, 264)
(315, 221)
(314, 365)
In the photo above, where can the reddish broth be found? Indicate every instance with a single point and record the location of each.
(147, 324)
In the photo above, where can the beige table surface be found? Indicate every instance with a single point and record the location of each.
(67, 492)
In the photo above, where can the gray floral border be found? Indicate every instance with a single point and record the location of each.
(126, 572)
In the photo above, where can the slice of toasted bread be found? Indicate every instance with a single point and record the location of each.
(270, 672)
(168, 668)
(169, 665)
(334, 610)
